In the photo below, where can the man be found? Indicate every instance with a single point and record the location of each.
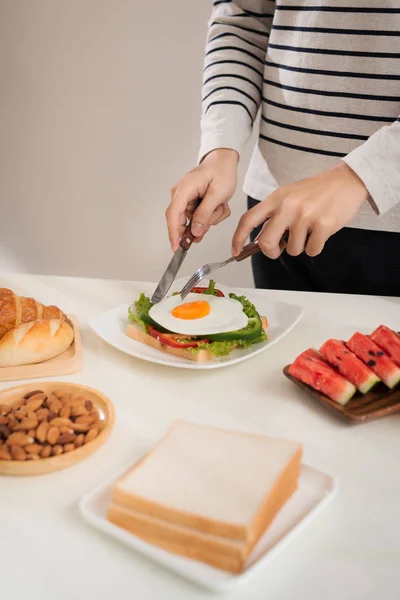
(325, 75)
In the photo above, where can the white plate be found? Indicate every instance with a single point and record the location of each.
(316, 490)
(282, 317)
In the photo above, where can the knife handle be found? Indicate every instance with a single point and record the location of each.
(188, 237)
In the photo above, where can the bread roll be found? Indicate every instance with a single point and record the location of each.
(35, 342)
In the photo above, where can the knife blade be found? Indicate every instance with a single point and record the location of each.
(175, 264)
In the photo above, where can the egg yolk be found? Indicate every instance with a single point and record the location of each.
(192, 310)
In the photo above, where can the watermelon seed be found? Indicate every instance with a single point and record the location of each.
(371, 353)
(371, 363)
(380, 353)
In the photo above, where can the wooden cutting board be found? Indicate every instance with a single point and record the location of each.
(65, 364)
(378, 403)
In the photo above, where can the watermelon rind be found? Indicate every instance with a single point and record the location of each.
(375, 358)
(312, 369)
(348, 365)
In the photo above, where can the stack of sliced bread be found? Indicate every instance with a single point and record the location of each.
(207, 494)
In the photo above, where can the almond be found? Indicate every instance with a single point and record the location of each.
(42, 414)
(86, 419)
(32, 457)
(91, 434)
(80, 427)
(18, 453)
(30, 422)
(35, 402)
(75, 401)
(52, 415)
(33, 448)
(65, 412)
(5, 454)
(57, 450)
(19, 438)
(41, 432)
(53, 435)
(31, 433)
(12, 422)
(66, 438)
(66, 430)
(16, 405)
(88, 405)
(3, 420)
(20, 414)
(69, 447)
(77, 411)
(33, 393)
(4, 409)
(4, 432)
(45, 451)
(80, 440)
(55, 406)
(60, 422)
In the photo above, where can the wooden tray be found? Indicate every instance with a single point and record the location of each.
(66, 363)
(378, 403)
(63, 461)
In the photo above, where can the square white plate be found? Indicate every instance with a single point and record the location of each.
(316, 490)
(282, 317)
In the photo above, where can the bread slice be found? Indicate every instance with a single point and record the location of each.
(137, 334)
(201, 482)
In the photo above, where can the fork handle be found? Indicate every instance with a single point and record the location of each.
(188, 237)
(248, 251)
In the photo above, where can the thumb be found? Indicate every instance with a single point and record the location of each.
(202, 215)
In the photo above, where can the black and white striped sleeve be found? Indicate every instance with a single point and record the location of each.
(377, 164)
(236, 48)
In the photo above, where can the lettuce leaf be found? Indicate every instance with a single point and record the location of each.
(141, 306)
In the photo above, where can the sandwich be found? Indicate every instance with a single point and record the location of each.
(207, 494)
(207, 324)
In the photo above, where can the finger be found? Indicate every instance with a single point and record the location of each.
(270, 239)
(188, 190)
(249, 221)
(221, 213)
(202, 215)
(197, 240)
(297, 239)
(316, 241)
(173, 190)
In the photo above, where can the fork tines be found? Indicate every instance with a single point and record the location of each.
(193, 281)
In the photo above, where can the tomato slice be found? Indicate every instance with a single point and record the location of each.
(171, 340)
(201, 290)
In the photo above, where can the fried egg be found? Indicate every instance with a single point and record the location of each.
(199, 314)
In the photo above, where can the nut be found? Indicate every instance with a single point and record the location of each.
(41, 432)
(3, 420)
(30, 422)
(52, 415)
(33, 393)
(80, 427)
(5, 409)
(77, 411)
(57, 450)
(45, 451)
(32, 433)
(80, 440)
(33, 448)
(12, 422)
(32, 457)
(42, 414)
(65, 412)
(53, 435)
(5, 454)
(55, 406)
(66, 438)
(88, 405)
(17, 403)
(4, 432)
(86, 419)
(69, 447)
(74, 401)
(35, 402)
(19, 438)
(18, 453)
(60, 422)
(20, 414)
(91, 434)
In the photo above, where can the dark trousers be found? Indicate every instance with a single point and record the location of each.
(354, 261)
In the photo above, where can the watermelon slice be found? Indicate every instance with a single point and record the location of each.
(388, 341)
(311, 368)
(375, 359)
(348, 365)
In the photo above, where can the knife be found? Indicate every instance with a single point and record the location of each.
(175, 264)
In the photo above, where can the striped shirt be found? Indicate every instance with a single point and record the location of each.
(326, 75)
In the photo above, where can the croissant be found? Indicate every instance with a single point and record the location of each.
(15, 310)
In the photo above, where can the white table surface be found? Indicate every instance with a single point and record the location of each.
(350, 552)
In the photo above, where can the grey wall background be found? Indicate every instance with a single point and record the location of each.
(99, 115)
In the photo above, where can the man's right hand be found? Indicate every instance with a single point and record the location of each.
(214, 180)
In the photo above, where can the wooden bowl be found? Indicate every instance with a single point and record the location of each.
(63, 461)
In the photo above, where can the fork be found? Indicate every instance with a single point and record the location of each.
(206, 270)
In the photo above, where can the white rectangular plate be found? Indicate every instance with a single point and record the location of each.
(316, 490)
(282, 317)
